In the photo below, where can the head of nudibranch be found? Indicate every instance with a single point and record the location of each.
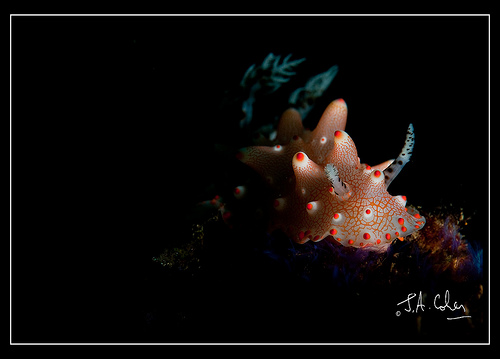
(326, 191)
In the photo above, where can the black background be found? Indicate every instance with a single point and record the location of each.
(113, 121)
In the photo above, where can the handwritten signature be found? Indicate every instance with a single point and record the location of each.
(440, 304)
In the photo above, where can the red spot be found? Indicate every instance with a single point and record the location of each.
(339, 239)
(300, 156)
(237, 190)
(404, 198)
(397, 234)
(316, 238)
(350, 241)
(401, 221)
(368, 167)
(309, 206)
(295, 137)
(301, 235)
(336, 216)
(417, 226)
(416, 215)
(387, 236)
(333, 232)
(377, 173)
(368, 211)
(403, 229)
(338, 134)
(330, 189)
(278, 147)
(366, 236)
(378, 241)
(341, 100)
(216, 197)
(276, 203)
(361, 244)
(226, 215)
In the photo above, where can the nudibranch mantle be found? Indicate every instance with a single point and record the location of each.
(321, 188)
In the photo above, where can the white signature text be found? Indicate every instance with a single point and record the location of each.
(440, 303)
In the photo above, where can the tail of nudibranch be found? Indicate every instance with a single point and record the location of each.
(336, 196)
(404, 157)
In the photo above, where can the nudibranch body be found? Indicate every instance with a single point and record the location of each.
(321, 188)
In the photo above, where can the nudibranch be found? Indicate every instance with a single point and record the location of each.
(321, 189)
